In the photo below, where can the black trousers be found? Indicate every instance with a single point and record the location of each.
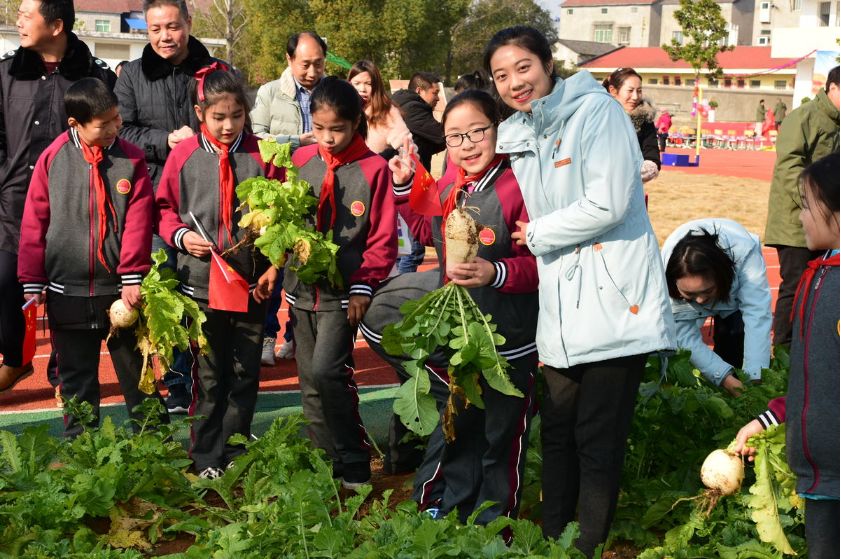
(793, 262)
(12, 327)
(822, 531)
(78, 326)
(585, 417)
(225, 383)
(729, 338)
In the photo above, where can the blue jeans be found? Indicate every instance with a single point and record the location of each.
(272, 325)
(182, 361)
(410, 262)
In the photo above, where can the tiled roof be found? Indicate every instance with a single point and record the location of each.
(754, 58)
(108, 6)
(597, 3)
(587, 48)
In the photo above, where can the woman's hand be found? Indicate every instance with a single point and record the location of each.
(356, 309)
(520, 234)
(477, 273)
(265, 285)
(195, 245)
(746, 432)
(732, 385)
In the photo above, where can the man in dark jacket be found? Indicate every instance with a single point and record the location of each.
(416, 103)
(33, 79)
(154, 92)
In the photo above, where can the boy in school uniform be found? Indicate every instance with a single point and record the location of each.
(86, 238)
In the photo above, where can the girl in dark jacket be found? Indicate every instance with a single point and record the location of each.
(810, 409)
(625, 85)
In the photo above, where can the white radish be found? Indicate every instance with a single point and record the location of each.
(121, 316)
(723, 472)
(461, 234)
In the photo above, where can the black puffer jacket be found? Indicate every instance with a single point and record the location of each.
(427, 132)
(642, 118)
(32, 105)
(155, 99)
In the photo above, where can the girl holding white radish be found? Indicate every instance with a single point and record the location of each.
(603, 300)
(485, 460)
(810, 410)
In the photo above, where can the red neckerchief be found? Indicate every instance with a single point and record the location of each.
(94, 155)
(805, 282)
(226, 182)
(356, 150)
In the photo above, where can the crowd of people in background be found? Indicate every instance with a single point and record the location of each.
(569, 265)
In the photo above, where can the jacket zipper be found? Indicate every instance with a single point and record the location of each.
(805, 410)
(92, 233)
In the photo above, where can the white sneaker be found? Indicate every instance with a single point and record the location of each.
(267, 356)
(286, 351)
(211, 473)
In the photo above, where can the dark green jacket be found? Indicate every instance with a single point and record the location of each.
(808, 133)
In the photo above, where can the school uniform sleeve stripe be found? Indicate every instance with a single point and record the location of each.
(361, 289)
(178, 238)
(767, 419)
(369, 335)
(33, 287)
(132, 279)
(402, 189)
(501, 275)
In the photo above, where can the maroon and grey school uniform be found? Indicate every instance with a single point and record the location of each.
(365, 229)
(226, 377)
(59, 251)
(487, 467)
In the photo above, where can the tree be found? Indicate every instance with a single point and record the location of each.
(270, 23)
(486, 17)
(705, 31)
(223, 18)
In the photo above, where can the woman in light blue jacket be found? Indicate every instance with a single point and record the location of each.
(715, 267)
(604, 306)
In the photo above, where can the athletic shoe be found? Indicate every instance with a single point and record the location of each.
(211, 473)
(267, 356)
(178, 400)
(287, 350)
(434, 513)
(355, 475)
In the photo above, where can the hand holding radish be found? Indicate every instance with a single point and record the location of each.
(520, 234)
(195, 245)
(745, 433)
(356, 309)
(130, 295)
(477, 273)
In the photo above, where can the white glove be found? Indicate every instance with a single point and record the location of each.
(649, 170)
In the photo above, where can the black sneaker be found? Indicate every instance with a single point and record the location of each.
(355, 475)
(178, 400)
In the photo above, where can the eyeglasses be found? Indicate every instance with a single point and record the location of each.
(475, 136)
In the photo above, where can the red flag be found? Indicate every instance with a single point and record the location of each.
(227, 291)
(30, 317)
(423, 198)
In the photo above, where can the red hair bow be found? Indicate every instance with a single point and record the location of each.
(202, 73)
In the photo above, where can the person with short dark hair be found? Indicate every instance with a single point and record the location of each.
(119, 67)
(779, 112)
(808, 133)
(473, 80)
(759, 118)
(33, 80)
(715, 268)
(85, 238)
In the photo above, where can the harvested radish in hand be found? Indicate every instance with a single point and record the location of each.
(723, 472)
(461, 234)
(121, 316)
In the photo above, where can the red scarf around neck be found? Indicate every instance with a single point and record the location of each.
(94, 155)
(226, 184)
(802, 291)
(356, 150)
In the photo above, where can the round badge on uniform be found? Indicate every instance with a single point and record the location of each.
(487, 236)
(357, 208)
(123, 186)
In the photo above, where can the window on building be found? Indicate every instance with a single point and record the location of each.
(740, 84)
(102, 25)
(603, 32)
(665, 80)
(765, 12)
(624, 35)
(780, 84)
(763, 41)
(690, 82)
(112, 51)
(652, 81)
(823, 13)
(755, 84)
(604, 10)
(796, 5)
(728, 82)
(677, 36)
(712, 82)
(677, 80)
(569, 11)
(634, 9)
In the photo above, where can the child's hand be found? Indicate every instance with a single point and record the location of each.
(520, 234)
(265, 285)
(130, 295)
(39, 297)
(195, 245)
(401, 165)
(746, 432)
(356, 309)
(477, 273)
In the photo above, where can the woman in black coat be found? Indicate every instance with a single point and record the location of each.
(625, 85)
